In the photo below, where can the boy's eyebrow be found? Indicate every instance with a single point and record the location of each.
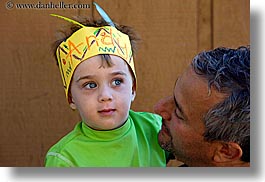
(92, 76)
(118, 73)
(85, 77)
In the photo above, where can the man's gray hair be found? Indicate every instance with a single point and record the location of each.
(227, 71)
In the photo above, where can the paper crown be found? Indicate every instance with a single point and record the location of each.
(88, 42)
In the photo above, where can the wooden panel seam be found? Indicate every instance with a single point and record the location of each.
(204, 25)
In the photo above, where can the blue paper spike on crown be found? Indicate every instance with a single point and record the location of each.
(104, 15)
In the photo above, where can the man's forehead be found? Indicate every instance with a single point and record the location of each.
(189, 80)
(193, 88)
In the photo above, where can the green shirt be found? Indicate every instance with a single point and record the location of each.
(134, 144)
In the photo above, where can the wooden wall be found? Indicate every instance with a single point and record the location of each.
(33, 111)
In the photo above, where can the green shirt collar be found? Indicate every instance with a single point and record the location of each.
(106, 135)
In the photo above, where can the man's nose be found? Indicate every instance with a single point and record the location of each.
(164, 108)
(105, 94)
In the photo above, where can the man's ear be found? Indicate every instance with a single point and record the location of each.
(227, 152)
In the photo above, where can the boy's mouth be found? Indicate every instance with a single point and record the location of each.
(107, 112)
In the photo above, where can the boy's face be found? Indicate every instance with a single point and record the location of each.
(102, 94)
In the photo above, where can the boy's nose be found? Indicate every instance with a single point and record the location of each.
(164, 108)
(105, 94)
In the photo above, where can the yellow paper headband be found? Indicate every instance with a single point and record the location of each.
(88, 42)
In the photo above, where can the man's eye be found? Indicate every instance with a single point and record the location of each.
(117, 82)
(178, 115)
(90, 85)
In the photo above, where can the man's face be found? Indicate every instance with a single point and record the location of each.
(183, 126)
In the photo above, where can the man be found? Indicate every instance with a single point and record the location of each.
(206, 122)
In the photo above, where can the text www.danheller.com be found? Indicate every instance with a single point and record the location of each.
(50, 5)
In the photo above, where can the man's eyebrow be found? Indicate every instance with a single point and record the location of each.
(177, 104)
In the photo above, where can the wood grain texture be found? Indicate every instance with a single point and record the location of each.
(33, 111)
(231, 23)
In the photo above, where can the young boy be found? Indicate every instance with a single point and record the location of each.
(97, 69)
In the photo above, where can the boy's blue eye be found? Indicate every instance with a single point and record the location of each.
(117, 82)
(91, 85)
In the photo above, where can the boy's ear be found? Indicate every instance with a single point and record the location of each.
(227, 152)
(133, 92)
(73, 106)
(71, 102)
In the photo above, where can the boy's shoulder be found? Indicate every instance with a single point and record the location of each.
(68, 138)
(144, 114)
(146, 118)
